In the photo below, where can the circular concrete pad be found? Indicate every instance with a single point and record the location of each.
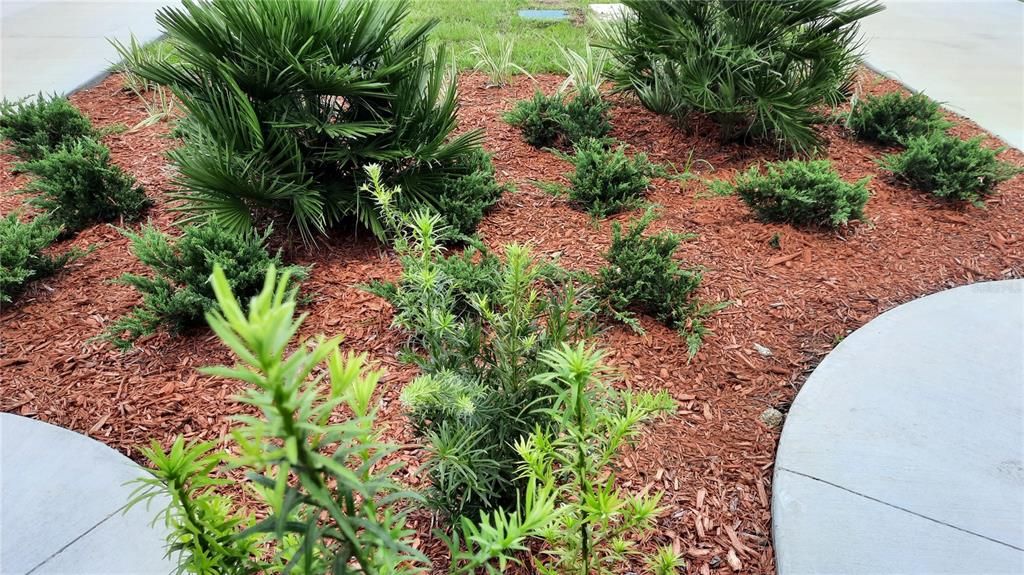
(62, 499)
(904, 451)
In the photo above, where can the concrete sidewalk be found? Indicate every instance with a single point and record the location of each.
(61, 45)
(904, 450)
(968, 54)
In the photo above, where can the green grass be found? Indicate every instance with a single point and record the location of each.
(462, 23)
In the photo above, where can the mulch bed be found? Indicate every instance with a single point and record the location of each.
(712, 460)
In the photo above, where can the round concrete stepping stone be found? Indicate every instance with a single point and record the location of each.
(62, 499)
(903, 451)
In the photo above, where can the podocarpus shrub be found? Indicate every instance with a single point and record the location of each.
(324, 486)
(950, 168)
(642, 276)
(179, 292)
(36, 127)
(22, 257)
(559, 120)
(79, 186)
(758, 68)
(892, 118)
(286, 102)
(607, 181)
(478, 353)
(799, 192)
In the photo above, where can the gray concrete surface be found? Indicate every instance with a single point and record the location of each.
(904, 450)
(969, 54)
(61, 45)
(62, 497)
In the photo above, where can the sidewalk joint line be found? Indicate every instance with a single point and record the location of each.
(75, 540)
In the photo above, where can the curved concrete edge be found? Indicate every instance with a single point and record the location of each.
(62, 506)
(903, 450)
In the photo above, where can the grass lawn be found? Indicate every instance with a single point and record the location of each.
(462, 23)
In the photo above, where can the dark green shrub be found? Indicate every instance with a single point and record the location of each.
(540, 119)
(607, 181)
(891, 118)
(466, 197)
(552, 120)
(179, 293)
(758, 68)
(286, 102)
(36, 127)
(79, 186)
(642, 276)
(21, 253)
(478, 348)
(950, 168)
(801, 193)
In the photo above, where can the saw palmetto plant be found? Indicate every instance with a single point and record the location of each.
(285, 102)
(757, 68)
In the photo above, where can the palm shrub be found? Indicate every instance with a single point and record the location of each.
(607, 181)
(478, 352)
(807, 193)
(36, 127)
(22, 256)
(892, 118)
(758, 68)
(599, 522)
(179, 293)
(78, 185)
(642, 275)
(285, 102)
(950, 168)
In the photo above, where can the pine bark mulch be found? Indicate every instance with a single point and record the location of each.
(712, 460)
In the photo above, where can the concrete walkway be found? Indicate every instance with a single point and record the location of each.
(968, 54)
(904, 451)
(62, 497)
(61, 45)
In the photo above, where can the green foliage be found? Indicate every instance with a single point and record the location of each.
(477, 345)
(179, 292)
(799, 192)
(642, 275)
(323, 483)
(950, 168)
(606, 181)
(497, 64)
(79, 186)
(36, 127)
(584, 72)
(469, 192)
(285, 103)
(758, 68)
(554, 120)
(598, 523)
(891, 118)
(21, 253)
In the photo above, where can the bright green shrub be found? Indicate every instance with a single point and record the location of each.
(36, 127)
(79, 186)
(554, 120)
(179, 292)
(950, 168)
(286, 102)
(478, 351)
(599, 522)
(801, 193)
(892, 118)
(21, 253)
(642, 276)
(758, 68)
(607, 181)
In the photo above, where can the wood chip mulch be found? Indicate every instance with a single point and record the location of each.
(712, 460)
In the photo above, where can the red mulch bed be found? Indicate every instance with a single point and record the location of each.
(712, 460)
